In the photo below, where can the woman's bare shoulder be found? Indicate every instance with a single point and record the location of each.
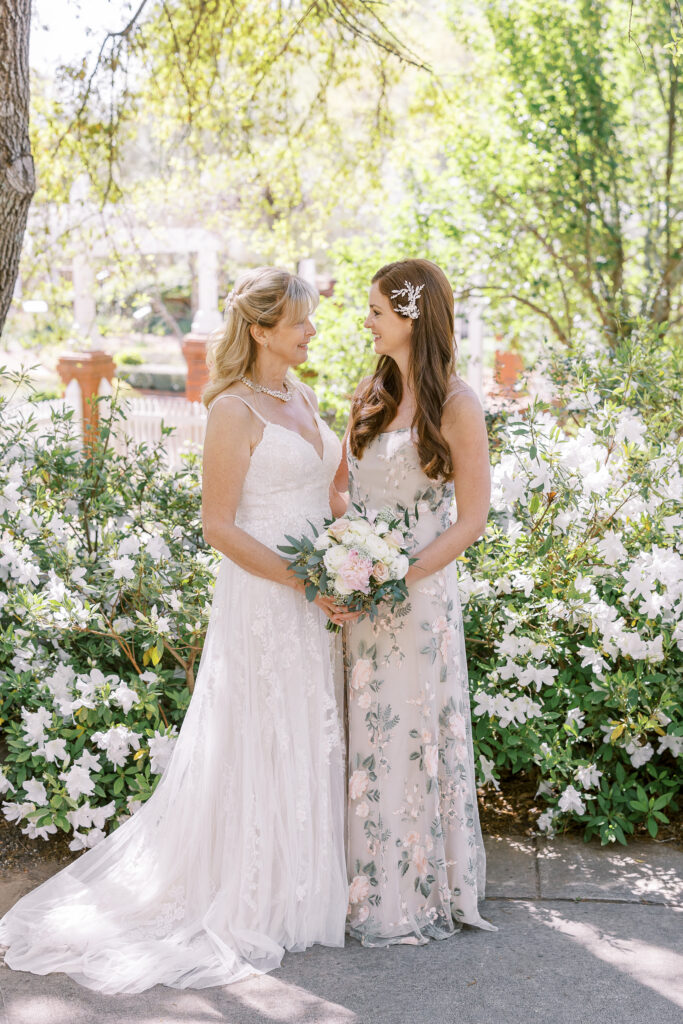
(462, 401)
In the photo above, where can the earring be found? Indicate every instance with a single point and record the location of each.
(265, 344)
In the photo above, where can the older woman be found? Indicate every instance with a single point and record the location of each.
(239, 853)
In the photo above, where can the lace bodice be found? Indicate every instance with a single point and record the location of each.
(287, 483)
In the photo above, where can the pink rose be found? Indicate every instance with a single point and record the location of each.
(363, 809)
(338, 528)
(364, 701)
(361, 674)
(363, 914)
(358, 783)
(359, 889)
(411, 839)
(380, 572)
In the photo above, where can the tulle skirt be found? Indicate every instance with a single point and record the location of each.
(239, 853)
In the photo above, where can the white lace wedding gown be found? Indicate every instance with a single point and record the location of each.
(239, 853)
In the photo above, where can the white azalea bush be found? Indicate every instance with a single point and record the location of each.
(105, 588)
(574, 599)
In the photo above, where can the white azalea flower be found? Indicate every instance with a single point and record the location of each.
(5, 784)
(78, 782)
(35, 791)
(638, 754)
(576, 715)
(570, 800)
(34, 831)
(672, 743)
(130, 545)
(545, 821)
(160, 750)
(630, 428)
(91, 762)
(611, 549)
(122, 624)
(117, 743)
(54, 750)
(125, 697)
(487, 767)
(588, 776)
(124, 568)
(77, 576)
(35, 723)
(16, 811)
(157, 548)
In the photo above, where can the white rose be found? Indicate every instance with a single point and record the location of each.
(341, 589)
(322, 542)
(381, 527)
(361, 527)
(335, 557)
(399, 567)
(376, 546)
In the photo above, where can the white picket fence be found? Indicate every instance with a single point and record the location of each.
(40, 413)
(144, 416)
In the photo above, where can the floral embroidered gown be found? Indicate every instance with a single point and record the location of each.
(239, 852)
(415, 854)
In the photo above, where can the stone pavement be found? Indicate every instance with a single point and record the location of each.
(586, 936)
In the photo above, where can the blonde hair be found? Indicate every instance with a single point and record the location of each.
(264, 296)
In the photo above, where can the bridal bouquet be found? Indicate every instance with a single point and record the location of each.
(358, 560)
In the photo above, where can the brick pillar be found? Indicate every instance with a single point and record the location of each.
(88, 368)
(194, 349)
(508, 370)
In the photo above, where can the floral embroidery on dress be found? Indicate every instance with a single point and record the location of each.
(415, 854)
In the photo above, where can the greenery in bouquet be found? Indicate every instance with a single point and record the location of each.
(359, 560)
(105, 592)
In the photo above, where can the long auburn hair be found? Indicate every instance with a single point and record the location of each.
(263, 296)
(431, 366)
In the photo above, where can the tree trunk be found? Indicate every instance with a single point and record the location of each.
(17, 175)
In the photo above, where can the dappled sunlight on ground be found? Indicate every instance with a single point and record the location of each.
(656, 966)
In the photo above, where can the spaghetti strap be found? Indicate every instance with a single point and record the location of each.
(302, 391)
(244, 402)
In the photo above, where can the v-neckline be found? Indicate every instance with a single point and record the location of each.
(320, 457)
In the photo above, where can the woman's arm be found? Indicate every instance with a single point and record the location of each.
(230, 435)
(339, 488)
(464, 428)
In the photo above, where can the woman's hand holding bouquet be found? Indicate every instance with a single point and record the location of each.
(358, 561)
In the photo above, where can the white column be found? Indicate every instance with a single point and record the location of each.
(306, 269)
(84, 296)
(207, 318)
(475, 346)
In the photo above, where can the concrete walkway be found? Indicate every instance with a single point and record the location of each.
(586, 936)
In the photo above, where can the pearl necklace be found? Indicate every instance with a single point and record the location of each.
(283, 396)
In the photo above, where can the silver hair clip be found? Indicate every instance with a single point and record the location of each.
(412, 293)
